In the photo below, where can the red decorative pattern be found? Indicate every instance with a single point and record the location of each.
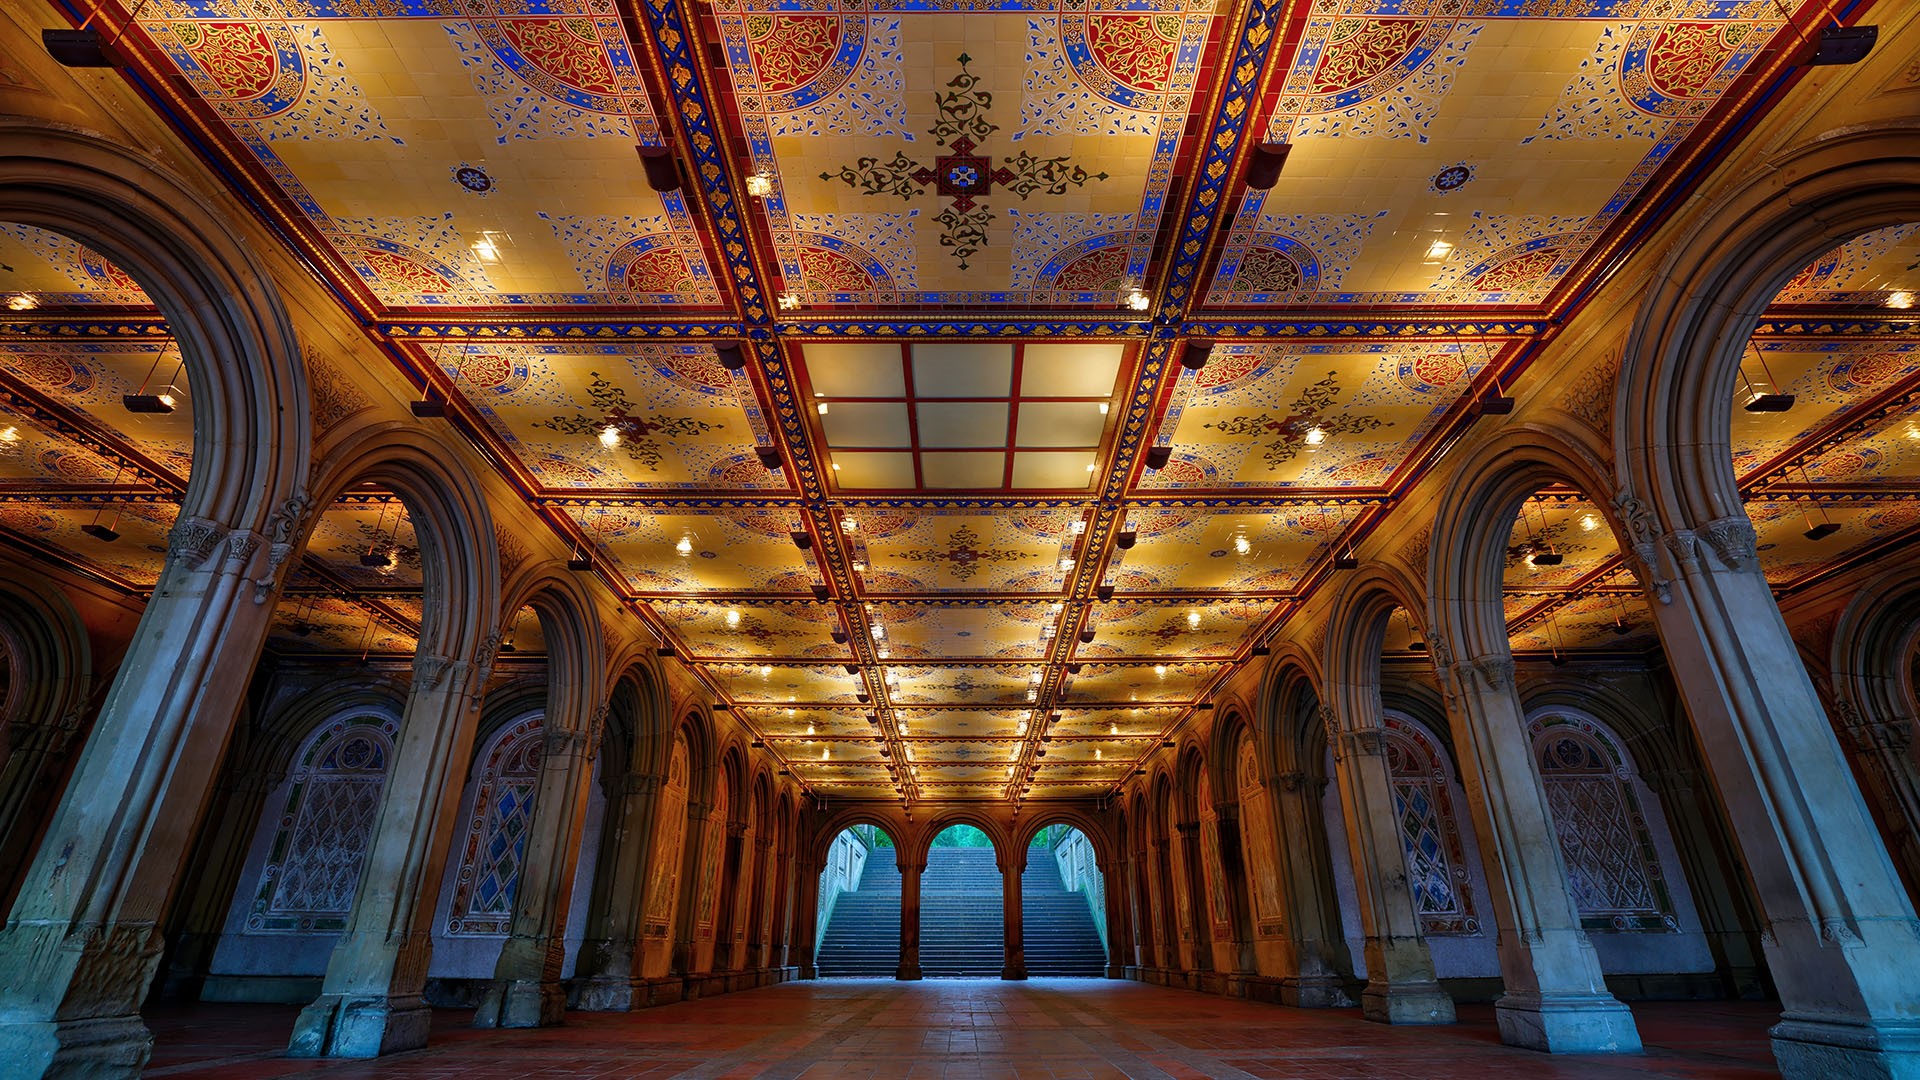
(1100, 271)
(1361, 49)
(485, 371)
(661, 271)
(1223, 371)
(403, 274)
(1430, 371)
(54, 373)
(567, 49)
(1137, 50)
(1686, 56)
(1517, 273)
(1265, 270)
(237, 56)
(790, 51)
(830, 271)
(1878, 369)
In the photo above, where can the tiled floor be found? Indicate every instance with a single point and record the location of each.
(970, 1029)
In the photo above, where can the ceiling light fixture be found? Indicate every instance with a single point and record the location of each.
(769, 457)
(685, 546)
(760, 185)
(1842, 45)
(1901, 300)
(22, 302)
(663, 173)
(1159, 456)
(731, 356)
(1194, 356)
(1315, 436)
(788, 301)
(1263, 169)
(1241, 545)
(78, 48)
(1137, 300)
(610, 436)
(733, 618)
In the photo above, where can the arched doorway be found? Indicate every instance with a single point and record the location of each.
(962, 919)
(858, 920)
(1063, 900)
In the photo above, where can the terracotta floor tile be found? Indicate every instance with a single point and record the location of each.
(1059, 1029)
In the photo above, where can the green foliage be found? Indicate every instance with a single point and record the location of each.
(961, 836)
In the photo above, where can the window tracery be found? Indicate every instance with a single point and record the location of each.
(495, 839)
(1613, 867)
(319, 848)
(1429, 831)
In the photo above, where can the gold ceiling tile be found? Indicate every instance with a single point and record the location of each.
(779, 684)
(720, 551)
(1123, 684)
(791, 631)
(1152, 630)
(1127, 721)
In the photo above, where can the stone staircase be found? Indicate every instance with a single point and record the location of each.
(961, 927)
(1060, 939)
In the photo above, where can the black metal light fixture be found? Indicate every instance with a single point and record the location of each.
(1842, 45)
(802, 539)
(770, 457)
(820, 591)
(1125, 539)
(1194, 356)
(1158, 456)
(1346, 562)
(1104, 592)
(663, 173)
(102, 533)
(82, 48)
(732, 356)
(1263, 171)
(429, 408)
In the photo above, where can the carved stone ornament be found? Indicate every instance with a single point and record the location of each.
(1494, 673)
(1290, 782)
(1684, 546)
(1331, 721)
(1837, 931)
(193, 540)
(1590, 398)
(429, 670)
(1369, 742)
(1418, 550)
(285, 527)
(335, 397)
(558, 741)
(1643, 531)
(513, 551)
(1733, 541)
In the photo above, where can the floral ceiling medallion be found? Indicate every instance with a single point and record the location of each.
(964, 174)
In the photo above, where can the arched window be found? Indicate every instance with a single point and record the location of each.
(1429, 831)
(1613, 867)
(496, 834)
(319, 848)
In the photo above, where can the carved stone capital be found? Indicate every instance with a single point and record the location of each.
(1371, 742)
(285, 528)
(641, 783)
(558, 741)
(1330, 720)
(193, 540)
(1644, 545)
(1492, 673)
(1291, 783)
(1733, 541)
(430, 670)
(1684, 546)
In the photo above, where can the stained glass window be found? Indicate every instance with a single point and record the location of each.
(1613, 869)
(1429, 831)
(495, 843)
(320, 842)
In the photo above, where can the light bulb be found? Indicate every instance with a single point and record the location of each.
(733, 618)
(1241, 545)
(22, 302)
(1315, 436)
(765, 671)
(1160, 670)
(760, 185)
(1138, 300)
(685, 546)
(789, 301)
(609, 436)
(1193, 618)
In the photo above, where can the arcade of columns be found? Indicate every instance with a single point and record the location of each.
(140, 754)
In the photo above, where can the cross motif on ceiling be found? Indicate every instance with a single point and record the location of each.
(962, 174)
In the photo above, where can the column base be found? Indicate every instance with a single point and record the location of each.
(1014, 972)
(604, 993)
(1824, 1049)
(521, 1003)
(336, 1025)
(907, 972)
(1314, 992)
(1406, 1003)
(1567, 1024)
(76, 1049)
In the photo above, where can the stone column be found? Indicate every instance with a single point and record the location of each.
(1140, 895)
(1119, 925)
(806, 912)
(782, 948)
(1401, 987)
(200, 914)
(1191, 880)
(686, 950)
(909, 915)
(526, 989)
(1166, 920)
(1842, 945)
(1014, 962)
(1320, 966)
(1236, 880)
(33, 755)
(610, 961)
(1884, 746)
(1720, 895)
(82, 942)
(726, 923)
(370, 1001)
(759, 905)
(1556, 996)
(1842, 942)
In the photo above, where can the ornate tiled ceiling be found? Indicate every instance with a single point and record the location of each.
(964, 246)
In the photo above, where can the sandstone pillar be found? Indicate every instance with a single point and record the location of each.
(1556, 996)
(526, 989)
(1120, 941)
(1841, 944)
(82, 942)
(686, 947)
(611, 960)
(1234, 955)
(1320, 970)
(909, 916)
(1401, 987)
(806, 913)
(370, 1001)
(1014, 962)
